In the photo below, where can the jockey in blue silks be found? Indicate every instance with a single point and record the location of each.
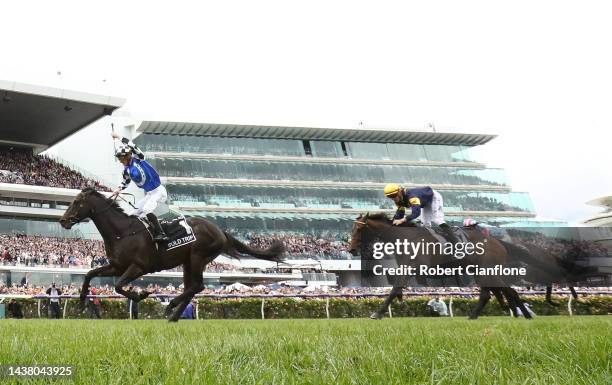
(137, 169)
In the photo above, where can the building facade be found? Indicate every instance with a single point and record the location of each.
(316, 181)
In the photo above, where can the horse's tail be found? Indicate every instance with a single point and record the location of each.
(235, 248)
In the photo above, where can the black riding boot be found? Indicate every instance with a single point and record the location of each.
(158, 233)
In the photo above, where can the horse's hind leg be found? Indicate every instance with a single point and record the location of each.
(500, 298)
(197, 285)
(483, 299)
(549, 296)
(574, 294)
(187, 282)
(395, 292)
(515, 300)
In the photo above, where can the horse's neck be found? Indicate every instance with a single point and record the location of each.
(111, 224)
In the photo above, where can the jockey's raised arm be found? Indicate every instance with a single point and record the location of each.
(135, 150)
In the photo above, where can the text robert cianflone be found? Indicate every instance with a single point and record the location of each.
(469, 270)
(412, 249)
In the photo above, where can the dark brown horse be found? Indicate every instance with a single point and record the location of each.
(131, 250)
(494, 253)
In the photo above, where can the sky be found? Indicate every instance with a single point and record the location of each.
(537, 74)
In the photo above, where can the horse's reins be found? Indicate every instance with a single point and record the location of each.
(125, 200)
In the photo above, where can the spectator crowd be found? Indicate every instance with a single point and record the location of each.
(272, 289)
(23, 167)
(326, 245)
(34, 250)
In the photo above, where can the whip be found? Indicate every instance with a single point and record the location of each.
(114, 144)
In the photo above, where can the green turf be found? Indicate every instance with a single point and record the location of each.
(547, 350)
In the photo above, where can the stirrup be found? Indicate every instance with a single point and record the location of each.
(161, 238)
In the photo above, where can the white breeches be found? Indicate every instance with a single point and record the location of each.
(151, 200)
(434, 212)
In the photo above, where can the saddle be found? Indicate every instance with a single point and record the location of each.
(177, 230)
(440, 235)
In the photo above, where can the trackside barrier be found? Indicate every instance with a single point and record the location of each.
(263, 297)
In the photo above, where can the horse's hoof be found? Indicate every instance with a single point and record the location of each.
(376, 315)
(172, 320)
(553, 304)
(472, 317)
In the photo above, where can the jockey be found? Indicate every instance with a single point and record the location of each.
(145, 177)
(423, 201)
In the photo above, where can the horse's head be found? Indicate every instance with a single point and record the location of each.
(358, 225)
(374, 221)
(82, 207)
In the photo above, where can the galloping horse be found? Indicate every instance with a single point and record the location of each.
(130, 249)
(495, 253)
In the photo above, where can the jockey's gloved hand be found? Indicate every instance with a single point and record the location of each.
(116, 192)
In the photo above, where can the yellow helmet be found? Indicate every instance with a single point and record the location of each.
(392, 189)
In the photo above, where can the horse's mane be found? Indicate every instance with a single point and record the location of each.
(111, 202)
(378, 216)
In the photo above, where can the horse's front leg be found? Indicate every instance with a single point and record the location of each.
(131, 273)
(102, 271)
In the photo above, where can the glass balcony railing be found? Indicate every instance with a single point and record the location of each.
(296, 171)
(336, 226)
(219, 145)
(312, 148)
(367, 199)
(50, 228)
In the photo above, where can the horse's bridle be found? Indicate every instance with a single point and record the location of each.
(74, 220)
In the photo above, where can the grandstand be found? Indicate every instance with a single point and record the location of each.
(302, 185)
(35, 189)
(306, 185)
(605, 217)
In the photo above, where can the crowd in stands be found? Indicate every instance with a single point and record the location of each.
(23, 167)
(276, 289)
(570, 249)
(33, 250)
(326, 245)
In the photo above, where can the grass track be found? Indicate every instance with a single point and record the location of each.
(491, 350)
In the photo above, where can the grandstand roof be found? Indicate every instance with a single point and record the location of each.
(602, 202)
(39, 117)
(312, 133)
